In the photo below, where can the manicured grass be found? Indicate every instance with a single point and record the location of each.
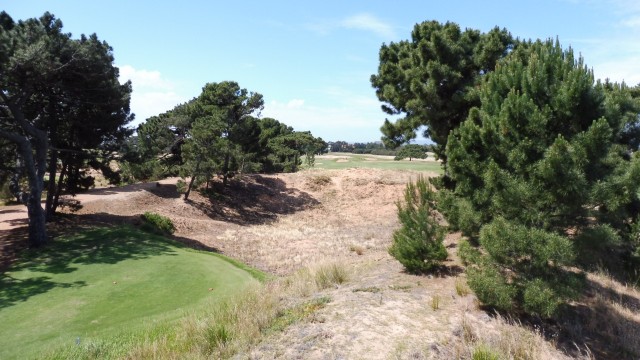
(374, 162)
(104, 282)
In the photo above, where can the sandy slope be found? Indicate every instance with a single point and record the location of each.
(282, 223)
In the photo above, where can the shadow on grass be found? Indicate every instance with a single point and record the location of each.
(105, 245)
(253, 200)
(598, 322)
(12, 243)
(13, 291)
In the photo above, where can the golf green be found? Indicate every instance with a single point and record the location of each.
(105, 282)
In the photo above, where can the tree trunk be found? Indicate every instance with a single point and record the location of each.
(35, 165)
(193, 178)
(35, 174)
(56, 198)
(51, 186)
(14, 183)
(53, 162)
(225, 168)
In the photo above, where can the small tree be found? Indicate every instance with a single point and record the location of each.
(418, 243)
(411, 151)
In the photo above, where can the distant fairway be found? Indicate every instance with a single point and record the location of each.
(105, 282)
(347, 160)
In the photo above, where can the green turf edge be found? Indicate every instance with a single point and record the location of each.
(255, 273)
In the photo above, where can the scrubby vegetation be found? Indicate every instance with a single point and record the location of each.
(157, 223)
(418, 243)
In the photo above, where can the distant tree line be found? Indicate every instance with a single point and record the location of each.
(373, 148)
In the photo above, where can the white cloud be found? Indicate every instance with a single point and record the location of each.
(295, 103)
(615, 54)
(631, 22)
(144, 78)
(369, 22)
(343, 115)
(625, 69)
(152, 94)
(362, 21)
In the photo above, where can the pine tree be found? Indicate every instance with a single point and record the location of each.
(418, 243)
(540, 170)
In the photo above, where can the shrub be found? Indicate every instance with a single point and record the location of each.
(490, 287)
(157, 223)
(468, 254)
(418, 243)
(331, 274)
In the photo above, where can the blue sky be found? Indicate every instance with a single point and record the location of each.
(312, 60)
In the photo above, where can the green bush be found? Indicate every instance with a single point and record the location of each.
(468, 254)
(418, 243)
(490, 287)
(521, 268)
(157, 223)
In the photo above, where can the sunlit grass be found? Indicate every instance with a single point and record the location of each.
(105, 283)
(348, 160)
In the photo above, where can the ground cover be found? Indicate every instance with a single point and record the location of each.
(104, 282)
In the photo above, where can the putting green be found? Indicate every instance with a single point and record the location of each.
(105, 282)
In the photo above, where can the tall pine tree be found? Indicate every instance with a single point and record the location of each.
(542, 177)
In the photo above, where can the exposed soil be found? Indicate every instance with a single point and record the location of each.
(282, 223)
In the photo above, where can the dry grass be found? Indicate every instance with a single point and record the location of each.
(607, 319)
(500, 339)
(357, 249)
(435, 302)
(229, 326)
(462, 289)
(318, 182)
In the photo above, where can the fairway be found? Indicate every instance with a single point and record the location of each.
(104, 282)
(336, 160)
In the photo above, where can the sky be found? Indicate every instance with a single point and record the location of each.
(312, 60)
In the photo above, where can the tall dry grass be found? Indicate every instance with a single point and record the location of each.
(228, 326)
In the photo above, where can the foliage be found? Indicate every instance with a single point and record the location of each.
(411, 151)
(373, 148)
(418, 243)
(540, 174)
(157, 223)
(62, 107)
(430, 79)
(217, 134)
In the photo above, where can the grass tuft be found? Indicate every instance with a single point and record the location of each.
(462, 289)
(357, 249)
(483, 352)
(435, 302)
(330, 275)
